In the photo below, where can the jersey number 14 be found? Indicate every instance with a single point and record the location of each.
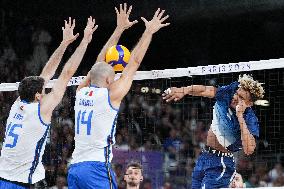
(81, 120)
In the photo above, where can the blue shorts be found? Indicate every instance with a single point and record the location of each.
(10, 185)
(212, 171)
(91, 174)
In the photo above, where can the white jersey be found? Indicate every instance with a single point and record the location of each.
(95, 125)
(24, 144)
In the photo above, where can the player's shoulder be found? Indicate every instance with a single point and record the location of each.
(82, 90)
(234, 85)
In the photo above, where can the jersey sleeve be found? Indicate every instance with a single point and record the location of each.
(252, 124)
(225, 93)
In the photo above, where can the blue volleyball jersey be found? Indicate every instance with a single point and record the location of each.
(225, 124)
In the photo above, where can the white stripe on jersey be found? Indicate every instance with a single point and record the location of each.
(95, 121)
(24, 144)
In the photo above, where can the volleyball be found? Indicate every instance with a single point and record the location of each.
(118, 56)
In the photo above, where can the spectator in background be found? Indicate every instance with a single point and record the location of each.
(60, 183)
(118, 169)
(173, 143)
(120, 144)
(278, 182)
(276, 172)
(252, 181)
(133, 175)
(41, 40)
(167, 185)
(147, 184)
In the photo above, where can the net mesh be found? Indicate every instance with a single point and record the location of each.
(167, 137)
(178, 130)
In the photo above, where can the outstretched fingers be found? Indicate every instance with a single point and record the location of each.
(164, 18)
(91, 23)
(161, 14)
(74, 24)
(75, 37)
(116, 10)
(120, 8)
(133, 22)
(95, 28)
(157, 12)
(129, 10)
(164, 25)
(144, 20)
(125, 7)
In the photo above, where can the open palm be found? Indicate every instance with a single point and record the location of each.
(68, 29)
(90, 28)
(157, 21)
(123, 17)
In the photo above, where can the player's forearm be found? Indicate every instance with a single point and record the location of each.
(200, 90)
(53, 62)
(141, 48)
(113, 40)
(138, 54)
(75, 60)
(248, 141)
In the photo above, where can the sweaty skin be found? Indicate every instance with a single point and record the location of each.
(213, 142)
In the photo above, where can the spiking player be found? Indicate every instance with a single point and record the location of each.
(97, 105)
(234, 127)
(29, 119)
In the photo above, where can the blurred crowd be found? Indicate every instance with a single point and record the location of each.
(145, 123)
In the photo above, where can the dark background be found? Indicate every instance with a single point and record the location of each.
(201, 32)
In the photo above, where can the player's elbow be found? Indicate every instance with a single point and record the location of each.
(249, 149)
(248, 152)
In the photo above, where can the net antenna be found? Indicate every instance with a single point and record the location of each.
(178, 72)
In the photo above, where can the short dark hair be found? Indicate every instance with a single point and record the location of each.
(134, 164)
(29, 86)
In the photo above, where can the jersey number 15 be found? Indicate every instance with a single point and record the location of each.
(10, 133)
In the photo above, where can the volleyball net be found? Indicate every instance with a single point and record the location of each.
(167, 137)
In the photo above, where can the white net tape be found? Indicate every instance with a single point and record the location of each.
(179, 72)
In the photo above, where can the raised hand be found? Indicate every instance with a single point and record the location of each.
(156, 23)
(123, 17)
(173, 93)
(68, 36)
(89, 30)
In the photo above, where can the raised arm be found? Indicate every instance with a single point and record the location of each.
(121, 87)
(53, 62)
(139, 51)
(248, 140)
(123, 23)
(176, 94)
(51, 100)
